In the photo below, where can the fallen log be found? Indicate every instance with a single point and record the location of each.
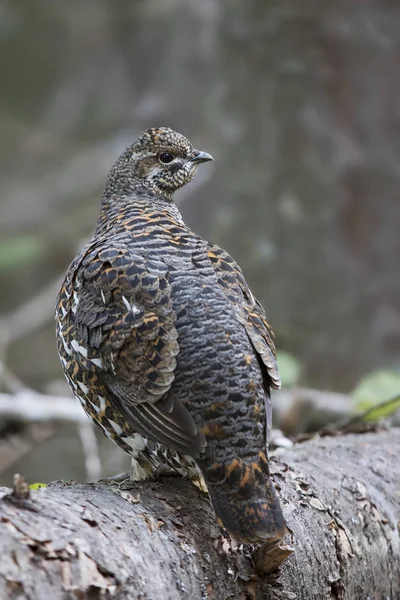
(159, 541)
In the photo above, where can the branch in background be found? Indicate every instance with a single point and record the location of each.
(300, 410)
(29, 406)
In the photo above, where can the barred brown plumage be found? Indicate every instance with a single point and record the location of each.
(164, 344)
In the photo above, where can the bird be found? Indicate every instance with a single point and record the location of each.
(165, 346)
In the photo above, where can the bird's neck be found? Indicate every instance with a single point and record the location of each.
(118, 211)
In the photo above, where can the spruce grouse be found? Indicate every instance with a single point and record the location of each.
(164, 345)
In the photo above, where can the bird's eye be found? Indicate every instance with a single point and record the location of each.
(166, 157)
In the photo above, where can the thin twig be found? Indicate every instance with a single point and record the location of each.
(392, 403)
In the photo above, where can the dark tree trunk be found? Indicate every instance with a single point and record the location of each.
(159, 541)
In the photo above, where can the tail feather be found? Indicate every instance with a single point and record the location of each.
(245, 500)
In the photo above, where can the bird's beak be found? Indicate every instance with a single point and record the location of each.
(200, 157)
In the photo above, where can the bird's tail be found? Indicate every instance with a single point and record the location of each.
(245, 500)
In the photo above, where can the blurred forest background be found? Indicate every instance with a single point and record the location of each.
(299, 103)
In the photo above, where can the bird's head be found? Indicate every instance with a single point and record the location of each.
(160, 159)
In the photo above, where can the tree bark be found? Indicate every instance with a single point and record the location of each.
(340, 497)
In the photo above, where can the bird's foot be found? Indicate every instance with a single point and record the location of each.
(130, 480)
(123, 481)
(128, 484)
(120, 478)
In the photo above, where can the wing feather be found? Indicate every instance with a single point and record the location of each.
(249, 311)
(125, 313)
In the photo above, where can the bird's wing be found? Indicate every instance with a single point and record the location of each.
(249, 311)
(125, 316)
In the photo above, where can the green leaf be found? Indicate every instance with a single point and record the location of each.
(289, 368)
(36, 486)
(19, 251)
(384, 409)
(376, 388)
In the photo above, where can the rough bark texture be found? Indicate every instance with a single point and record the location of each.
(340, 498)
